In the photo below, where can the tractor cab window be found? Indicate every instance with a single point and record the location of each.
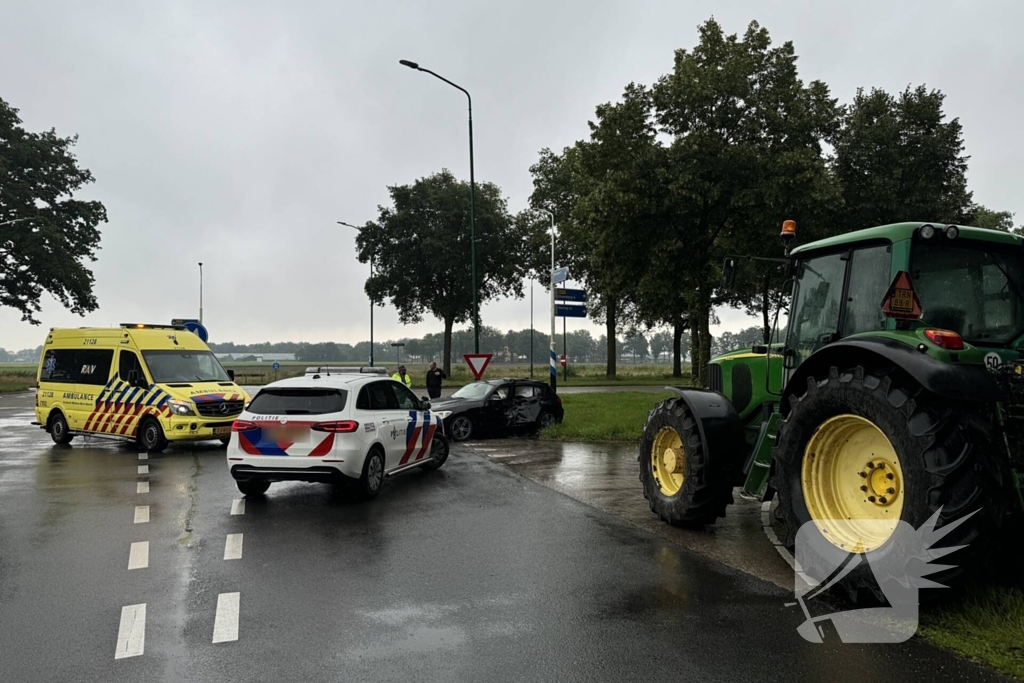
(973, 289)
(869, 281)
(815, 318)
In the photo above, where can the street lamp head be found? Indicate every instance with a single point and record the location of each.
(406, 62)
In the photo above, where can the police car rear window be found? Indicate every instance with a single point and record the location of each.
(298, 401)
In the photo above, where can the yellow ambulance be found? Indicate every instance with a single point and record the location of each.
(147, 383)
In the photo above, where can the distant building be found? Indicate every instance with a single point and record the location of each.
(257, 357)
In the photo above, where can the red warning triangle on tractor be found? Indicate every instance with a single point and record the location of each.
(478, 362)
(900, 299)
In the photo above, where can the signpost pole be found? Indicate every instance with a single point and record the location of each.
(565, 352)
(552, 360)
(531, 329)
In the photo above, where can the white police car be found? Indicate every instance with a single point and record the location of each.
(352, 425)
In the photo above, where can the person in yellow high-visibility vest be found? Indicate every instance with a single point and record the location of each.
(402, 377)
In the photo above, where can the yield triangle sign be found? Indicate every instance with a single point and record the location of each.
(900, 299)
(478, 362)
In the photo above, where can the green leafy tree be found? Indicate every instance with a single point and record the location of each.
(745, 147)
(897, 158)
(421, 250)
(661, 342)
(54, 233)
(993, 220)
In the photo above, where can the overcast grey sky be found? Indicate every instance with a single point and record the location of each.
(237, 133)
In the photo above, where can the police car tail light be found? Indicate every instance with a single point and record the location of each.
(243, 426)
(341, 426)
(945, 339)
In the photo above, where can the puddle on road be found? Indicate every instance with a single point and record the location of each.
(606, 476)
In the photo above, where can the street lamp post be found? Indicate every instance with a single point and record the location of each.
(355, 227)
(472, 202)
(200, 292)
(553, 359)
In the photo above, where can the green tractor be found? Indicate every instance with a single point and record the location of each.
(897, 394)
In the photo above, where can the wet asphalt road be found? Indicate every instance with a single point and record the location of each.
(469, 573)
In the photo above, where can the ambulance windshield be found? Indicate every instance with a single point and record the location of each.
(972, 288)
(184, 366)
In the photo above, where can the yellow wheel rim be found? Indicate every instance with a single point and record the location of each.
(668, 461)
(852, 483)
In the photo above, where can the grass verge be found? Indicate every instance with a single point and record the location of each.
(9, 384)
(985, 625)
(611, 416)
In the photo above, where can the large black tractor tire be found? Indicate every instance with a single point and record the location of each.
(945, 461)
(700, 495)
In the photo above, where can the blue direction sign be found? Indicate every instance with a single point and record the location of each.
(193, 326)
(569, 311)
(559, 275)
(563, 294)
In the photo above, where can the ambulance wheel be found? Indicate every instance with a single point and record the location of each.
(151, 436)
(438, 452)
(225, 440)
(253, 487)
(59, 431)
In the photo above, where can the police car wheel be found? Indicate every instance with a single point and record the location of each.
(253, 487)
(151, 436)
(461, 428)
(368, 485)
(438, 452)
(59, 431)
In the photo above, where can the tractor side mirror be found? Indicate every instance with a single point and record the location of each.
(728, 274)
(759, 348)
(231, 375)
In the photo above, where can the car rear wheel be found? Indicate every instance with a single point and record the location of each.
(151, 436)
(368, 485)
(461, 428)
(253, 487)
(59, 431)
(546, 420)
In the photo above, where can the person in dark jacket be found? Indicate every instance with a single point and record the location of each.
(434, 377)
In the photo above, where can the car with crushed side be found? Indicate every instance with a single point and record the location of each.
(499, 407)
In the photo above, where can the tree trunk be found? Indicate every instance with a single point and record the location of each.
(701, 332)
(448, 323)
(766, 309)
(677, 349)
(695, 337)
(610, 322)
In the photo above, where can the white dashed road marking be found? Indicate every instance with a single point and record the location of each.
(238, 506)
(131, 635)
(143, 469)
(141, 514)
(138, 558)
(143, 456)
(225, 625)
(142, 487)
(233, 547)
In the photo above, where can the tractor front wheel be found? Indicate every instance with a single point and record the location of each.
(681, 484)
(865, 449)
